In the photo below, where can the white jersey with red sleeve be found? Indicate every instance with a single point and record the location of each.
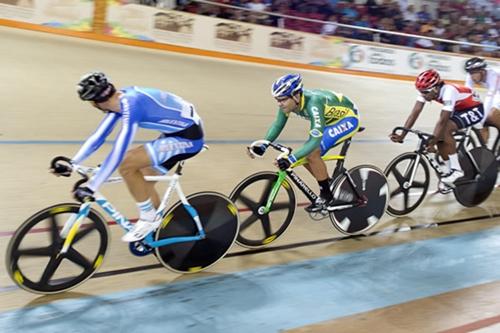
(492, 84)
(456, 98)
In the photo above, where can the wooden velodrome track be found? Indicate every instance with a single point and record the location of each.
(42, 117)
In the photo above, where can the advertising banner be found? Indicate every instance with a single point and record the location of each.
(67, 14)
(404, 61)
(208, 33)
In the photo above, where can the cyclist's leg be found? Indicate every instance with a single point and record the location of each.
(447, 148)
(317, 168)
(447, 144)
(135, 161)
(316, 165)
(130, 169)
(492, 116)
(169, 149)
(334, 134)
(160, 154)
(493, 119)
(150, 186)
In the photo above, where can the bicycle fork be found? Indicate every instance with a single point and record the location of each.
(407, 184)
(70, 229)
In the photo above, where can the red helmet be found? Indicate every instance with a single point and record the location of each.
(427, 80)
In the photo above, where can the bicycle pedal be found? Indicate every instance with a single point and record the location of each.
(319, 215)
(140, 249)
(445, 191)
(445, 188)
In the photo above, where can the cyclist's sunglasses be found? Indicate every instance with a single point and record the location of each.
(281, 99)
(473, 71)
(426, 91)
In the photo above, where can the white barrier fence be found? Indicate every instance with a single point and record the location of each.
(208, 33)
(67, 14)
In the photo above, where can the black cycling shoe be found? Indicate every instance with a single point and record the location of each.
(317, 206)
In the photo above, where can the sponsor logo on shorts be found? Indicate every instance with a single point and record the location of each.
(340, 129)
(170, 146)
(174, 122)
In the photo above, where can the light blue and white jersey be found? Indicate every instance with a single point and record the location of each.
(140, 107)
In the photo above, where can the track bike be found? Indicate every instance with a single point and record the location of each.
(266, 200)
(476, 139)
(409, 174)
(493, 144)
(62, 246)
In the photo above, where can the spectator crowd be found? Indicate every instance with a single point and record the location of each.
(475, 21)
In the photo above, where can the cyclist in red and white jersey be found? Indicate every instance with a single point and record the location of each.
(479, 73)
(462, 108)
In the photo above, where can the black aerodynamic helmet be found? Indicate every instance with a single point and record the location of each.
(474, 64)
(95, 87)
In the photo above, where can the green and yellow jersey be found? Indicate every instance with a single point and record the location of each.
(322, 108)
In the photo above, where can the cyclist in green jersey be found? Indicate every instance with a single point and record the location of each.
(333, 118)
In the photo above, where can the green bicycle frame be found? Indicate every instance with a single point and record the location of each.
(282, 176)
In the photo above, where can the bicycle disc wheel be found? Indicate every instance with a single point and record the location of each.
(496, 150)
(405, 197)
(471, 190)
(219, 218)
(372, 185)
(33, 258)
(257, 229)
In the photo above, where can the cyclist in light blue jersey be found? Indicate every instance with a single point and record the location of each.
(137, 107)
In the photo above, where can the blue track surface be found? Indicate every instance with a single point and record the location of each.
(279, 297)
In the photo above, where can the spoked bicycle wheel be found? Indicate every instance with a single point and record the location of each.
(406, 196)
(258, 228)
(33, 258)
(473, 189)
(371, 184)
(219, 218)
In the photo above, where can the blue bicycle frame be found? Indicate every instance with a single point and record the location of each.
(72, 226)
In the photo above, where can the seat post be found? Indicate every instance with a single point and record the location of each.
(345, 147)
(180, 165)
(339, 167)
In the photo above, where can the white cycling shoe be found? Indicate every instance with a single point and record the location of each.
(140, 230)
(450, 178)
(443, 188)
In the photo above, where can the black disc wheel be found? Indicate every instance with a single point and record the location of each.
(408, 177)
(219, 219)
(34, 260)
(258, 228)
(474, 188)
(368, 191)
(496, 150)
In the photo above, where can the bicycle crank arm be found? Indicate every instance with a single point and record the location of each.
(331, 209)
(465, 182)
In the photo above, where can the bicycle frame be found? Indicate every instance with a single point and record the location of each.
(72, 226)
(339, 169)
(462, 137)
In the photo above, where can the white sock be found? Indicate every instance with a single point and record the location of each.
(147, 210)
(447, 167)
(454, 164)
